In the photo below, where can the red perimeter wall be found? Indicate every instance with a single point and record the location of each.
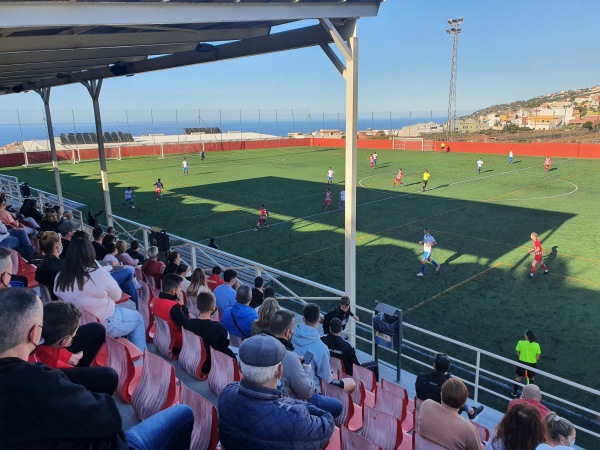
(533, 149)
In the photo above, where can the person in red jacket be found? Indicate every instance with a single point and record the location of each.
(215, 280)
(170, 306)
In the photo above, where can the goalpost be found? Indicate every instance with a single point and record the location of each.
(419, 144)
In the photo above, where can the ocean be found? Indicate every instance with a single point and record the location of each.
(11, 132)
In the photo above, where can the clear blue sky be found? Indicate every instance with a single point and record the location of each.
(507, 51)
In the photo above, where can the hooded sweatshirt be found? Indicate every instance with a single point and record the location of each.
(307, 339)
(238, 320)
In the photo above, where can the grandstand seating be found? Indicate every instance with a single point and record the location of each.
(45, 294)
(157, 389)
(399, 391)
(205, 435)
(163, 339)
(21, 267)
(144, 307)
(223, 370)
(366, 376)
(351, 415)
(384, 430)
(354, 441)
(193, 354)
(484, 433)
(421, 443)
(390, 403)
(120, 359)
(336, 365)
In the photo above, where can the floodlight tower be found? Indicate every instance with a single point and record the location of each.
(454, 30)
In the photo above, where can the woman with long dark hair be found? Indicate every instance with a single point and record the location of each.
(173, 260)
(89, 287)
(521, 428)
(528, 351)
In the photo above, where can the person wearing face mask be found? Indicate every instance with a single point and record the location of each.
(521, 427)
(561, 433)
(185, 272)
(43, 409)
(51, 247)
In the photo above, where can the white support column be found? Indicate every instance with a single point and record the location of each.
(45, 94)
(351, 76)
(94, 87)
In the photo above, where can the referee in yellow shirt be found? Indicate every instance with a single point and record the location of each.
(426, 177)
(528, 352)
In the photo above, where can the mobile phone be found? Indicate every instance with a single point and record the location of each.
(308, 357)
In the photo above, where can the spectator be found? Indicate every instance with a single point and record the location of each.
(49, 221)
(108, 239)
(111, 231)
(153, 268)
(111, 253)
(80, 234)
(173, 260)
(81, 282)
(5, 268)
(342, 349)
(532, 396)
(238, 319)
(64, 414)
(97, 235)
(307, 339)
(214, 281)
(134, 252)
(67, 216)
(263, 322)
(183, 270)
(342, 312)
(51, 247)
(213, 333)
(440, 423)
(123, 257)
(254, 414)
(269, 292)
(197, 285)
(297, 379)
(521, 428)
(67, 230)
(561, 433)
(257, 293)
(429, 385)
(18, 240)
(62, 330)
(212, 244)
(170, 307)
(31, 209)
(225, 293)
(91, 220)
(8, 219)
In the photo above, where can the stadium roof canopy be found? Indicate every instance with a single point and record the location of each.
(53, 43)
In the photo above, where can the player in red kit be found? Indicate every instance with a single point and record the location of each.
(537, 252)
(327, 201)
(371, 160)
(547, 163)
(262, 219)
(399, 178)
(159, 188)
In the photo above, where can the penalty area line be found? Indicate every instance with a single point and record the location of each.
(451, 288)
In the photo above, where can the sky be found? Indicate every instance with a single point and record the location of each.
(507, 51)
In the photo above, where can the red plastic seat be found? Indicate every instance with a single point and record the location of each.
(384, 430)
(139, 275)
(400, 392)
(335, 443)
(336, 365)
(390, 403)
(124, 298)
(193, 355)
(21, 267)
(144, 308)
(351, 416)
(366, 376)
(157, 389)
(119, 358)
(223, 370)
(422, 443)
(163, 339)
(354, 441)
(484, 433)
(358, 395)
(205, 434)
(190, 302)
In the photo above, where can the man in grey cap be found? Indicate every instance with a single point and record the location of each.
(254, 414)
(66, 230)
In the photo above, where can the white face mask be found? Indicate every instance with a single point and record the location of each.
(572, 443)
(188, 274)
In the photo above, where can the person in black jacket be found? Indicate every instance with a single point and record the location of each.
(213, 333)
(340, 348)
(134, 252)
(342, 312)
(40, 408)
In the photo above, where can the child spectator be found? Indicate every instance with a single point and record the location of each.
(342, 312)
(214, 281)
(170, 307)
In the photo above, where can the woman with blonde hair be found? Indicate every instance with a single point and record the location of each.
(197, 285)
(49, 221)
(123, 257)
(267, 309)
(561, 433)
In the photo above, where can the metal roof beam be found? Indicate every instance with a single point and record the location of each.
(89, 41)
(287, 40)
(69, 14)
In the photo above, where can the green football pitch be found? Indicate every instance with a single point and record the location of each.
(482, 223)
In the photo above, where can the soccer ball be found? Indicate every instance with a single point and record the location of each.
(132, 206)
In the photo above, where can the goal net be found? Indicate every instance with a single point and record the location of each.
(419, 144)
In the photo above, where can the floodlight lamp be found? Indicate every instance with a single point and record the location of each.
(450, 21)
(460, 19)
(118, 69)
